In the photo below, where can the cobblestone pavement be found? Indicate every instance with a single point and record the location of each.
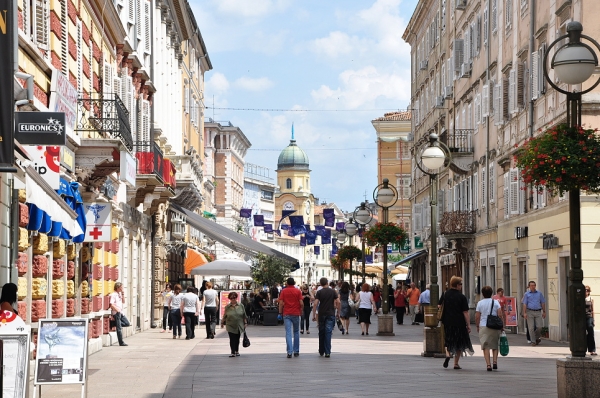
(154, 365)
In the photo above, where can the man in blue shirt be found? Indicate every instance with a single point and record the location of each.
(425, 299)
(534, 310)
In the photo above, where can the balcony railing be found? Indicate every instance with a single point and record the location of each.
(459, 140)
(150, 159)
(104, 116)
(458, 222)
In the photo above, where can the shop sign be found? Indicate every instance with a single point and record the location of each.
(98, 217)
(46, 161)
(521, 232)
(67, 158)
(549, 241)
(40, 128)
(128, 169)
(63, 98)
(418, 242)
(7, 76)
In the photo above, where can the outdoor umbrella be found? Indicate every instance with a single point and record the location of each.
(193, 259)
(224, 267)
(400, 270)
(373, 270)
(399, 277)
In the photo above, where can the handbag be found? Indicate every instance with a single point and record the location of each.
(503, 344)
(350, 302)
(494, 321)
(246, 341)
(440, 313)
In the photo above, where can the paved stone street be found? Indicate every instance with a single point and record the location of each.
(154, 365)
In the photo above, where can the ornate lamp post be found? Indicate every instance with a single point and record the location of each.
(385, 196)
(341, 239)
(363, 215)
(574, 63)
(351, 229)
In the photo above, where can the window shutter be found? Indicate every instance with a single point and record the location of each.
(520, 87)
(522, 193)
(541, 80)
(41, 26)
(469, 193)
(511, 92)
(514, 191)
(478, 109)
(26, 12)
(542, 197)
(146, 121)
(64, 35)
(504, 101)
(477, 25)
(417, 217)
(456, 198)
(186, 99)
(535, 87)
(459, 45)
(107, 79)
(475, 191)
(131, 11)
(440, 204)
(485, 26)
(506, 194)
(426, 213)
(467, 46)
(494, 16)
(485, 101)
(139, 23)
(147, 27)
(492, 179)
(80, 57)
(483, 182)
(508, 14)
(449, 200)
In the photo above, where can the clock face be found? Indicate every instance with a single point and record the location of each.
(288, 206)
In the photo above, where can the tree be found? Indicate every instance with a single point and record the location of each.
(270, 270)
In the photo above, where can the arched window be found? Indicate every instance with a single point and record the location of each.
(288, 183)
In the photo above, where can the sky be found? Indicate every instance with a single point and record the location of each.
(329, 67)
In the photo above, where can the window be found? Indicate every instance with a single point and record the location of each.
(494, 16)
(288, 183)
(514, 193)
(36, 21)
(508, 15)
(404, 186)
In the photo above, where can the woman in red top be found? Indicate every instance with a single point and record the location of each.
(400, 303)
(377, 298)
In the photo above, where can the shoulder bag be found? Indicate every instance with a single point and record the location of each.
(246, 341)
(440, 313)
(494, 321)
(350, 301)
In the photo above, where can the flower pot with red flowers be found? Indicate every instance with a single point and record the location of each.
(382, 234)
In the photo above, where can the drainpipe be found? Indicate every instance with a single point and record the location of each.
(531, 50)
(487, 123)
(152, 256)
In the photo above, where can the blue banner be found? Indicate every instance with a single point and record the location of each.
(334, 249)
(311, 237)
(268, 228)
(320, 229)
(297, 224)
(339, 226)
(302, 241)
(317, 250)
(259, 220)
(286, 213)
(368, 259)
(245, 213)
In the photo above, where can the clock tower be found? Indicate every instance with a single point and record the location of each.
(293, 180)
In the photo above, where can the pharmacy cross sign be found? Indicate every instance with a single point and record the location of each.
(96, 233)
(99, 222)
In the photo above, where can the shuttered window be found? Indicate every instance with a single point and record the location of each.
(41, 23)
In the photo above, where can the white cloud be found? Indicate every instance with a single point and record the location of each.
(217, 84)
(363, 86)
(384, 22)
(336, 44)
(251, 9)
(250, 84)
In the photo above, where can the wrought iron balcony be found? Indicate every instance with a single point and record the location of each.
(104, 116)
(150, 159)
(458, 222)
(459, 140)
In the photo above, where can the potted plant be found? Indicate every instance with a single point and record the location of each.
(381, 234)
(562, 158)
(544, 332)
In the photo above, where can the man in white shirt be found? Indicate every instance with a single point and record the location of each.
(117, 300)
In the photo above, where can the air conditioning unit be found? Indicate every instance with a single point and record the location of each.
(439, 102)
(448, 92)
(423, 65)
(465, 70)
(461, 4)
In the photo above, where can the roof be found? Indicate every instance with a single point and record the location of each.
(394, 116)
(292, 156)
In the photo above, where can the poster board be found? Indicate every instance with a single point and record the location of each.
(61, 352)
(511, 311)
(15, 337)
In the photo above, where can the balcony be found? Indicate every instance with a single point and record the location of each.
(458, 223)
(188, 179)
(150, 180)
(104, 117)
(150, 159)
(460, 143)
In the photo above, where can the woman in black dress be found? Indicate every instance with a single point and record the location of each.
(456, 322)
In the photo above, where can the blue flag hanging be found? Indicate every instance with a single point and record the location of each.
(307, 227)
(285, 227)
(277, 232)
(286, 213)
(334, 249)
(245, 213)
(311, 237)
(268, 228)
(259, 220)
(368, 259)
(320, 229)
(297, 224)
(317, 250)
(302, 241)
(328, 213)
(340, 226)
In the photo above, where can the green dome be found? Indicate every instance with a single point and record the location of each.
(292, 157)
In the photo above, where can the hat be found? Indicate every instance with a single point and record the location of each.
(291, 281)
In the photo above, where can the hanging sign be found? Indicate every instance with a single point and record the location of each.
(98, 217)
(40, 128)
(128, 169)
(7, 82)
(46, 161)
(63, 98)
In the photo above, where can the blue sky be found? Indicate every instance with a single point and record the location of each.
(343, 60)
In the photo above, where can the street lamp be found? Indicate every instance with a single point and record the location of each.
(433, 160)
(351, 229)
(574, 63)
(385, 196)
(341, 239)
(363, 215)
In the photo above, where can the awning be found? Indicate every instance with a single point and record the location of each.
(45, 198)
(411, 256)
(233, 240)
(193, 259)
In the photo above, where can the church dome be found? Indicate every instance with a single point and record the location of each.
(292, 157)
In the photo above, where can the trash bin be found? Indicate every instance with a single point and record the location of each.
(270, 317)
(430, 316)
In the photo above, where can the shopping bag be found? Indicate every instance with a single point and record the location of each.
(339, 325)
(503, 344)
(246, 341)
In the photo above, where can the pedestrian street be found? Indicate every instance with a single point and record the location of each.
(156, 366)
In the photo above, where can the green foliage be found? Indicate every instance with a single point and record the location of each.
(381, 234)
(270, 270)
(394, 258)
(349, 253)
(562, 159)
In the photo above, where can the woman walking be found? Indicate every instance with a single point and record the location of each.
(400, 304)
(190, 308)
(488, 337)
(377, 298)
(235, 319)
(8, 299)
(456, 322)
(366, 304)
(307, 309)
(166, 295)
(345, 294)
(589, 314)
(210, 303)
(175, 311)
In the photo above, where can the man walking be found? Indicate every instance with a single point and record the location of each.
(534, 310)
(327, 301)
(117, 300)
(424, 299)
(291, 307)
(413, 295)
